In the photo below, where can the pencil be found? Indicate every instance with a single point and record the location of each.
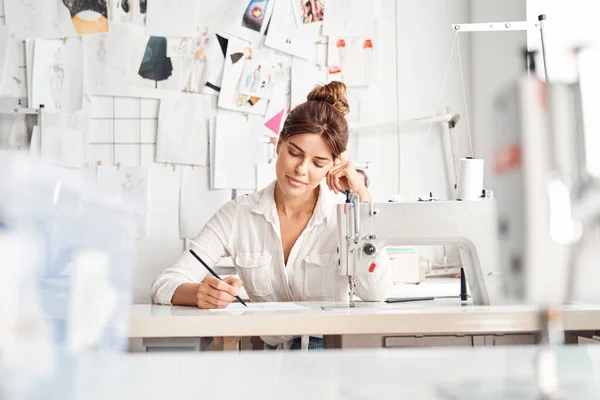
(213, 273)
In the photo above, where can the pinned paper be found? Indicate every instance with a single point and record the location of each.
(274, 124)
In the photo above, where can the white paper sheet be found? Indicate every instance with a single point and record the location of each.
(349, 18)
(284, 34)
(238, 52)
(198, 203)
(35, 146)
(128, 12)
(12, 80)
(244, 19)
(130, 186)
(106, 60)
(353, 60)
(35, 19)
(360, 101)
(4, 43)
(260, 307)
(308, 13)
(238, 148)
(29, 51)
(183, 129)
(306, 75)
(55, 19)
(63, 146)
(175, 18)
(58, 75)
(265, 175)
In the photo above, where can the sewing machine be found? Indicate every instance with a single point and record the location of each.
(365, 229)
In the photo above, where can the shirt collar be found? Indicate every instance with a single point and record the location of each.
(266, 205)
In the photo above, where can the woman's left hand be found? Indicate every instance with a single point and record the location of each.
(343, 176)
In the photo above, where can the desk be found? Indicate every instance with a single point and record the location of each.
(431, 318)
(430, 374)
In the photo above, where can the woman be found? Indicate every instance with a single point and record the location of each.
(283, 239)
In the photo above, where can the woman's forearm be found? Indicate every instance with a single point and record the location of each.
(186, 295)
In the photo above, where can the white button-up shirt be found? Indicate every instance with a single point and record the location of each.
(247, 229)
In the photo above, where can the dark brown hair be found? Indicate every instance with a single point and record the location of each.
(323, 114)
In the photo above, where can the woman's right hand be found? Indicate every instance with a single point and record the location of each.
(215, 293)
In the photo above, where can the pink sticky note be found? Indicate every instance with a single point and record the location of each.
(275, 123)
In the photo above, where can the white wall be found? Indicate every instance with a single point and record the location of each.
(424, 43)
(497, 59)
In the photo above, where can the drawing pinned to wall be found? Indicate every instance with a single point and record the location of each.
(285, 35)
(106, 60)
(238, 52)
(349, 18)
(257, 78)
(308, 11)
(176, 18)
(352, 61)
(254, 16)
(129, 186)
(150, 66)
(128, 12)
(203, 59)
(58, 75)
(88, 16)
(244, 19)
(156, 66)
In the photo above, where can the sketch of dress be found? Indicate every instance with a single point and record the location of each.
(56, 75)
(88, 16)
(155, 65)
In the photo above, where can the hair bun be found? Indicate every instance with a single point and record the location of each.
(333, 93)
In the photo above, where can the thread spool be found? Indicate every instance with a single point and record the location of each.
(470, 178)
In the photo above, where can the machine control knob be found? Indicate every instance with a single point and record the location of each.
(369, 249)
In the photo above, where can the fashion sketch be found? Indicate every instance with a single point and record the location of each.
(156, 66)
(56, 75)
(88, 16)
(255, 14)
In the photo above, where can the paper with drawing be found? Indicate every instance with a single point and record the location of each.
(285, 35)
(56, 18)
(129, 186)
(58, 74)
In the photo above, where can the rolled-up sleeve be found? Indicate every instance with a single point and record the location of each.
(375, 286)
(213, 243)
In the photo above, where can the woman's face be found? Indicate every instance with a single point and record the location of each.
(302, 163)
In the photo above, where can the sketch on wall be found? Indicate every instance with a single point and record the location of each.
(308, 11)
(352, 60)
(130, 186)
(129, 12)
(156, 66)
(58, 75)
(106, 61)
(88, 16)
(254, 16)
